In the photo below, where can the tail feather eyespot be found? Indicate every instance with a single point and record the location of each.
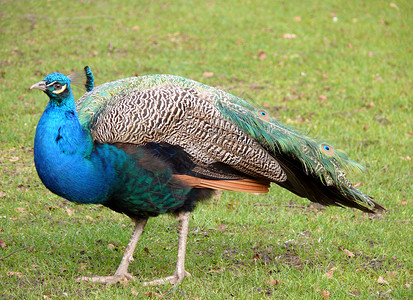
(327, 149)
(263, 115)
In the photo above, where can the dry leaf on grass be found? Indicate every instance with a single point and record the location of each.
(289, 36)
(348, 253)
(274, 281)
(381, 280)
(222, 227)
(262, 55)
(325, 294)
(18, 274)
(329, 274)
(69, 211)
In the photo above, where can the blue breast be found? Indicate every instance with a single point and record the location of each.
(66, 162)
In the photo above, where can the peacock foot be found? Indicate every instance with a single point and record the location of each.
(108, 279)
(174, 279)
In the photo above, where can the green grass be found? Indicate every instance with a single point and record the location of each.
(348, 81)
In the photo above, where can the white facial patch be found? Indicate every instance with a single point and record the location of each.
(61, 90)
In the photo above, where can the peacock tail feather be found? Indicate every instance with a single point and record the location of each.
(284, 143)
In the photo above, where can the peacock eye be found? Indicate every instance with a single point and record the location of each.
(57, 86)
(327, 149)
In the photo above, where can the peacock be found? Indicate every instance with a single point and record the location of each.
(159, 144)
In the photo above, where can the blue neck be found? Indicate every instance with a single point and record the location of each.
(66, 159)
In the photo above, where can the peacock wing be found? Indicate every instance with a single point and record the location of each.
(177, 111)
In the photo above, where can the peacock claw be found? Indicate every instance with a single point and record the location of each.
(107, 279)
(174, 279)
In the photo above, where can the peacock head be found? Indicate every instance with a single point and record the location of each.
(56, 86)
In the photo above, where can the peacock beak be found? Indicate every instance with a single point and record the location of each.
(40, 86)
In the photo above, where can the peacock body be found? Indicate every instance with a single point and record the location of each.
(158, 144)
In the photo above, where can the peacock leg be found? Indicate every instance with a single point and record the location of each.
(180, 272)
(122, 271)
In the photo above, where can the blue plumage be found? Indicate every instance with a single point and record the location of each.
(75, 167)
(158, 144)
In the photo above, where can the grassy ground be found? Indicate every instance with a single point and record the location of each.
(341, 70)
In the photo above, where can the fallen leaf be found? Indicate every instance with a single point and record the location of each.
(18, 274)
(222, 227)
(134, 292)
(256, 256)
(289, 36)
(325, 76)
(208, 74)
(394, 6)
(322, 97)
(262, 55)
(356, 292)
(381, 280)
(2, 244)
(325, 294)
(2, 194)
(111, 246)
(274, 281)
(14, 158)
(69, 211)
(350, 45)
(348, 253)
(329, 274)
(297, 18)
(20, 209)
(392, 273)
(136, 27)
(89, 218)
